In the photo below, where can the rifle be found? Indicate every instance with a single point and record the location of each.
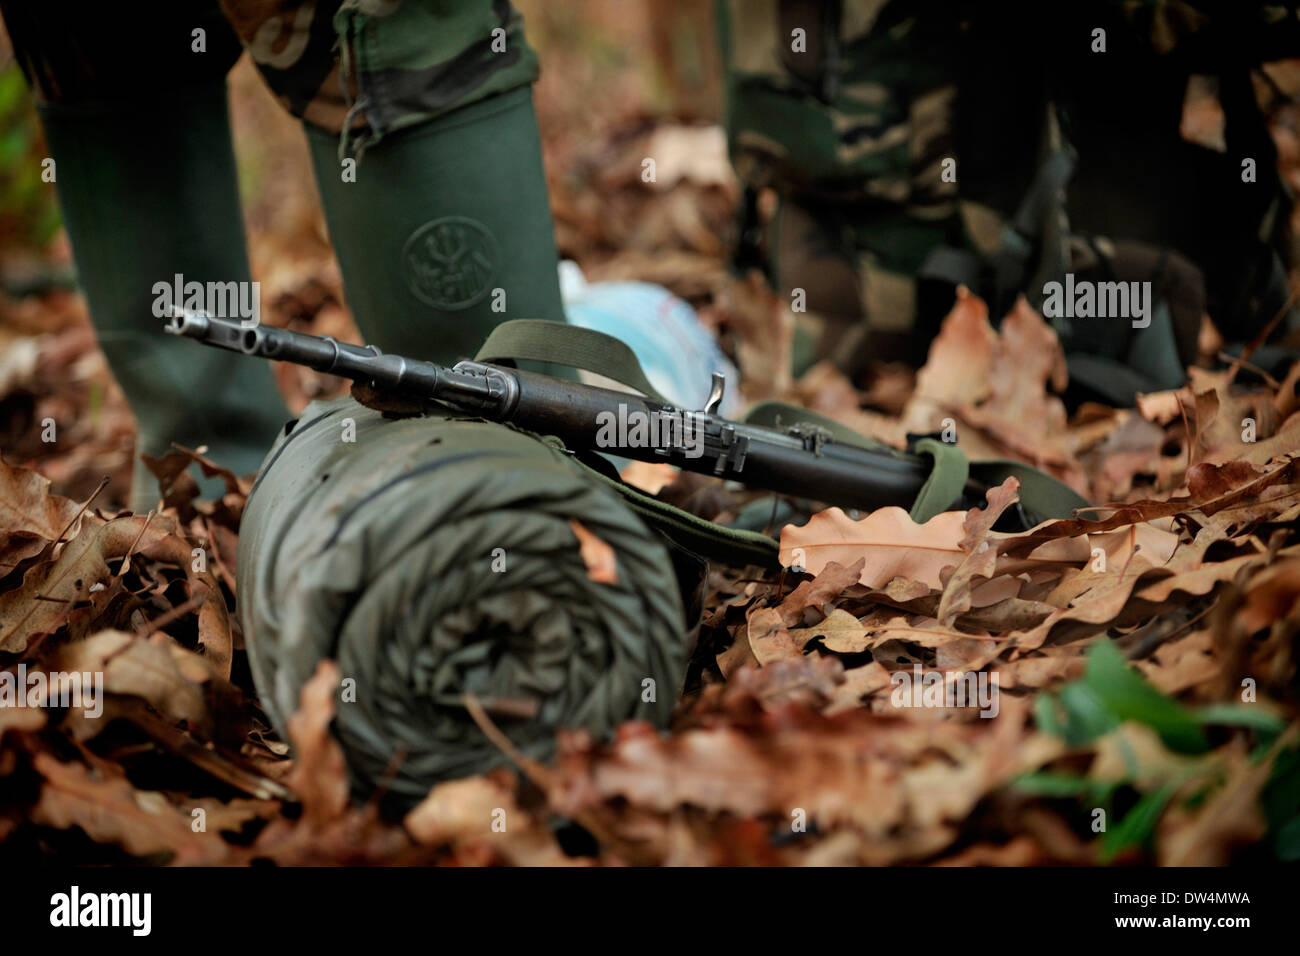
(803, 460)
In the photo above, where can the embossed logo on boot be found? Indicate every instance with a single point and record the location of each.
(449, 262)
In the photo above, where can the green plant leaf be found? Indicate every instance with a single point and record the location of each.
(1048, 784)
(1286, 843)
(1123, 693)
(1139, 824)
(1241, 715)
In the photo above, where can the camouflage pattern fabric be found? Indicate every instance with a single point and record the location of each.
(376, 66)
(845, 109)
(848, 109)
(368, 66)
(842, 100)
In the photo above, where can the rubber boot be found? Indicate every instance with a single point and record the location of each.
(146, 195)
(446, 231)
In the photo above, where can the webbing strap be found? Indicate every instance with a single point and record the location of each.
(1042, 496)
(946, 482)
(537, 340)
(732, 546)
(781, 415)
(948, 473)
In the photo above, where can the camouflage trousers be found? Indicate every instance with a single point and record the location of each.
(845, 110)
(358, 68)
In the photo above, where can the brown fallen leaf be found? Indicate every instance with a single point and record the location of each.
(1231, 817)
(1287, 472)
(30, 516)
(958, 369)
(887, 542)
(133, 666)
(110, 810)
(1273, 595)
(319, 775)
(901, 785)
(1020, 413)
(840, 632)
(483, 811)
(1182, 664)
(49, 591)
(981, 558)
(767, 627)
(859, 682)
(602, 566)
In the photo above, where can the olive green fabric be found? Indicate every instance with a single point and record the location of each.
(843, 99)
(533, 340)
(434, 557)
(446, 230)
(412, 61)
(138, 214)
(724, 544)
(947, 478)
(1041, 496)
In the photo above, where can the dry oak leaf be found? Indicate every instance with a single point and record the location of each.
(1286, 472)
(859, 682)
(112, 811)
(1182, 664)
(812, 681)
(840, 632)
(767, 627)
(981, 557)
(461, 813)
(30, 517)
(1220, 413)
(1273, 596)
(904, 785)
(41, 604)
(1020, 413)
(1200, 580)
(957, 369)
(602, 565)
(137, 667)
(888, 543)
(1119, 597)
(319, 775)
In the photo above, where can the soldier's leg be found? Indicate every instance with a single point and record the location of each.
(428, 160)
(136, 123)
(814, 266)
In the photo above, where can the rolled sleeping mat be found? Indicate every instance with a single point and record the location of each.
(436, 556)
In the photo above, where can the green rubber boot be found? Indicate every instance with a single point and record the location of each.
(444, 232)
(146, 195)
